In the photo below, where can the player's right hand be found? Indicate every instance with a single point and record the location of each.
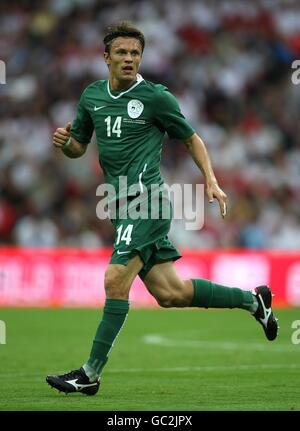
(61, 135)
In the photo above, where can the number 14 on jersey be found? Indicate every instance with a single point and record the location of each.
(116, 128)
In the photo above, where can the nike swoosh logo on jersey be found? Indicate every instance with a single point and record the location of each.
(122, 252)
(96, 108)
(79, 386)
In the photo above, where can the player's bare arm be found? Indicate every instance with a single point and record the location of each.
(69, 146)
(200, 155)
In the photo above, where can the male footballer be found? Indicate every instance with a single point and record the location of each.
(130, 117)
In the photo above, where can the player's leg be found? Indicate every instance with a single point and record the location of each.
(163, 282)
(117, 283)
(169, 290)
(165, 285)
(118, 280)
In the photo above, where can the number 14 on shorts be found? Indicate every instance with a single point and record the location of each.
(124, 235)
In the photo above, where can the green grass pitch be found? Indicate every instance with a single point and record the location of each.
(162, 360)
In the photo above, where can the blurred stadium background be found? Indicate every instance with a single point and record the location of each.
(228, 63)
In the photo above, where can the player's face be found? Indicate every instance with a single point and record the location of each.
(124, 58)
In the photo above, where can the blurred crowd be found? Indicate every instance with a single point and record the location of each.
(229, 64)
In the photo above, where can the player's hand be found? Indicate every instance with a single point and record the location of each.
(61, 135)
(214, 191)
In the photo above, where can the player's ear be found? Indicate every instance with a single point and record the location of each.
(106, 58)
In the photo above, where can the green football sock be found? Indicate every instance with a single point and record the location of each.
(211, 295)
(114, 315)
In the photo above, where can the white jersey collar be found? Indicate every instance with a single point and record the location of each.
(139, 79)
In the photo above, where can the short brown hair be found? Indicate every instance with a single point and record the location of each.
(122, 29)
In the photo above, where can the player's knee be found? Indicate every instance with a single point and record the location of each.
(171, 299)
(164, 301)
(114, 284)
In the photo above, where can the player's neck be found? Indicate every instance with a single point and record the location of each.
(119, 85)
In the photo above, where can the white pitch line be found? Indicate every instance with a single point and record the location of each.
(204, 368)
(38, 376)
(163, 341)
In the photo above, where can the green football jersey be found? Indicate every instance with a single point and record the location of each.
(129, 127)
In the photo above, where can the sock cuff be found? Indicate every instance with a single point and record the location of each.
(203, 293)
(196, 297)
(116, 306)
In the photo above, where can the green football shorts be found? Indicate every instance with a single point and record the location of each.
(146, 238)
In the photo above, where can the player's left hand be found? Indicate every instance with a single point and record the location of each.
(214, 191)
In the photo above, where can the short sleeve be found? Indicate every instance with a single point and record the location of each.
(169, 116)
(82, 127)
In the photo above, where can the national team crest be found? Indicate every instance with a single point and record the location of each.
(135, 108)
